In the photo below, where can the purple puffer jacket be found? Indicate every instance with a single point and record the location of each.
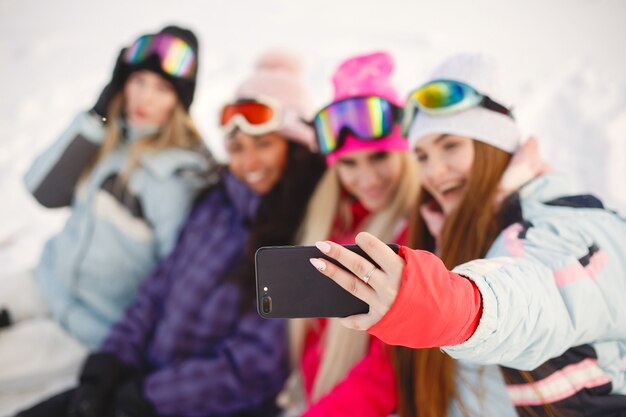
(202, 355)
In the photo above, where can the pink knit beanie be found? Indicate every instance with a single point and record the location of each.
(278, 76)
(367, 75)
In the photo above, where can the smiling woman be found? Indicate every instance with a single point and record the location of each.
(370, 184)
(195, 318)
(258, 161)
(532, 282)
(371, 177)
(446, 161)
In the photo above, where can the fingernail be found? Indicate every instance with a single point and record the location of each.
(318, 264)
(323, 246)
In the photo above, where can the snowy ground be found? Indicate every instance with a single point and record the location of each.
(563, 59)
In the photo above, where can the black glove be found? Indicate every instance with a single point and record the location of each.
(102, 104)
(113, 87)
(130, 402)
(89, 400)
(52, 407)
(100, 376)
(5, 318)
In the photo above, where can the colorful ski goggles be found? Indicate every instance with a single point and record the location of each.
(368, 118)
(253, 116)
(444, 97)
(177, 57)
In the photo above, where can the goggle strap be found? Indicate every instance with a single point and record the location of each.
(489, 104)
(406, 122)
(397, 113)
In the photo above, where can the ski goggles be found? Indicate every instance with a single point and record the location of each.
(253, 116)
(445, 97)
(368, 118)
(176, 56)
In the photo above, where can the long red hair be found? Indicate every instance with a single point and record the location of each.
(426, 377)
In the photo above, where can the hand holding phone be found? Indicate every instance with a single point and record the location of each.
(288, 286)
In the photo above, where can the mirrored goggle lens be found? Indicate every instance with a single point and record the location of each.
(253, 112)
(439, 98)
(445, 95)
(177, 58)
(368, 118)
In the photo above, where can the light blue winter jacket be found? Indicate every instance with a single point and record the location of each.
(555, 281)
(115, 235)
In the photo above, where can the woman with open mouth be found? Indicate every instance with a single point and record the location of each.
(526, 276)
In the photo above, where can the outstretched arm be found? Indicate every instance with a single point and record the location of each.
(560, 287)
(413, 298)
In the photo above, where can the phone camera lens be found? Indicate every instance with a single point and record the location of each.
(266, 304)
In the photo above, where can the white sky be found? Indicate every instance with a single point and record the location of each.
(564, 63)
(51, 50)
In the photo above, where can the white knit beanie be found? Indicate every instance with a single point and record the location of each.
(479, 123)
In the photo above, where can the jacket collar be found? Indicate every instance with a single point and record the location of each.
(546, 187)
(131, 133)
(245, 200)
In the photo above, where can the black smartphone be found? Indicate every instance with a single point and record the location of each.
(288, 286)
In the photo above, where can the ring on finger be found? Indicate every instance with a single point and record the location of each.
(366, 277)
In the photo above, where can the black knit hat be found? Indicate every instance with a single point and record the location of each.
(184, 87)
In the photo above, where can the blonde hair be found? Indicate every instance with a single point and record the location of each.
(343, 347)
(328, 202)
(179, 132)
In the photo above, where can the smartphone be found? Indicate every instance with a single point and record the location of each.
(288, 286)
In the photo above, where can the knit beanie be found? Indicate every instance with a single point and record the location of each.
(367, 75)
(184, 87)
(278, 76)
(488, 126)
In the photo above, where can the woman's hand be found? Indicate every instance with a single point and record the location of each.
(525, 165)
(377, 287)
(414, 300)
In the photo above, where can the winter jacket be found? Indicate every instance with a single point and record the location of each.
(552, 288)
(201, 353)
(369, 388)
(359, 215)
(115, 235)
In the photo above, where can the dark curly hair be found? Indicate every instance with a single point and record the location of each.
(280, 214)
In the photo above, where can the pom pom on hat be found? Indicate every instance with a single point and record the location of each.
(366, 75)
(279, 60)
(492, 128)
(278, 75)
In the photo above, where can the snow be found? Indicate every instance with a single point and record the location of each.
(562, 59)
